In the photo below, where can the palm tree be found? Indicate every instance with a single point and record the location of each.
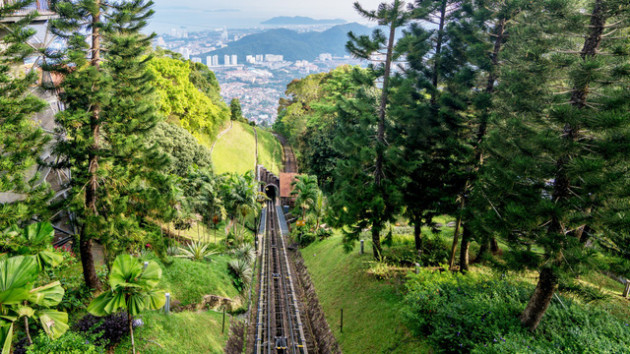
(306, 189)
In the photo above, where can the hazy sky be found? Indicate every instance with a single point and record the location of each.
(208, 14)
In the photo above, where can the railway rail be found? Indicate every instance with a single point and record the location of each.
(279, 326)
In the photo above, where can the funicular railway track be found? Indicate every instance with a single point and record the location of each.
(279, 327)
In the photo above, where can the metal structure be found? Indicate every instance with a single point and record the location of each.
(279, 325)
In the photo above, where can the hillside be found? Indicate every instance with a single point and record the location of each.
(293, 45)
(235, 150)
(301, 20)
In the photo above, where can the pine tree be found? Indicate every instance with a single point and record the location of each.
(377, 202)
(430, 104)
(21, 142)
(483, 36)
(110, 110)
(559, 149)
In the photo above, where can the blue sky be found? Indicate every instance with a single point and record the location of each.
(209, 14)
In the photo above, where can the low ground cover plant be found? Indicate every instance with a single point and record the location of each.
(481, 314)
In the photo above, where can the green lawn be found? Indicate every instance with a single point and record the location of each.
(189, 281)
(372, 320)
(235, 151)
(269, 151)
(184, 332)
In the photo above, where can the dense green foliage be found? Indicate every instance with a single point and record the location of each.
(308, 119)
(511, 116)
(69, 343)
(187, 96)
(480, 314)
(181, 147)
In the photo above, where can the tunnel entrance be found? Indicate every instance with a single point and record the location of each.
(271, 190)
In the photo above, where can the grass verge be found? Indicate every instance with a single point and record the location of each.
(372, 320)
(184, 332)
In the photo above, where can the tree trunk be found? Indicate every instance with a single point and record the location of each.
(539, 302)
(378, 171)
(417, 236)
(485, 246)
(28, 331)
(133, 343)
(464, 251)
(438, 52)
(85, 243)
(376, 242)
(494, 246)
(451, 262)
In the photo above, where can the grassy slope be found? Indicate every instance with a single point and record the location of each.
(235, 151)
(372, 322)
(184, 332)
(269, 151)
(189, 281)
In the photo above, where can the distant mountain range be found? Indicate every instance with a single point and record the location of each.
(301, 20)
(293, 45)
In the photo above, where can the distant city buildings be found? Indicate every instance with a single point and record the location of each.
(325, 57)
(212, 60)
(196, 60)
(226, 60)
(185, 52)
(250, 59)
(259, 58)
(234, 60)
(273, 58)
(179, 33)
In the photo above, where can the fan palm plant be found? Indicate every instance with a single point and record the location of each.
(242, 271)
(20, 299)
(133, 288)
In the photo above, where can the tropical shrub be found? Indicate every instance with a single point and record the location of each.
(242, 273)
(69, 343)
(106, 331)
(469, 314)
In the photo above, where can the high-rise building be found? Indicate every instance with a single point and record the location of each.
(234, 60)
(185, 52)
(259, 58)
(224, 35)
(209, 60)
(250, 59)
(215, 60)
(196, 60)
(226, 60)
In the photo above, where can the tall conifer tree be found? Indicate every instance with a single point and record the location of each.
(559, 149)
(109, 109)
(374, 204)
